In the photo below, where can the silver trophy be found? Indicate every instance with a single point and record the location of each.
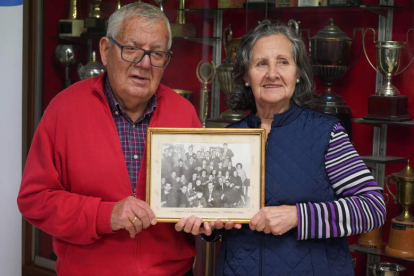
(388, 104)
(65, 54)
(91, 69)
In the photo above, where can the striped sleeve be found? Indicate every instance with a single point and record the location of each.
(360, 206)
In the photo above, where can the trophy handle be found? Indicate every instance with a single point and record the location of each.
(227, 36)
(363, 46)
(386, 198)
(360, 48)
(411, 61)
(390, 179)
(295, 25)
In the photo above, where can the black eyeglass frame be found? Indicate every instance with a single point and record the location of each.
(146, 52)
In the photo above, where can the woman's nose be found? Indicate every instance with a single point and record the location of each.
(273, 71)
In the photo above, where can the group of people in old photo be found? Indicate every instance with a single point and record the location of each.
(203, 176)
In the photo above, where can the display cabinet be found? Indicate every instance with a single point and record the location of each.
(355, 86)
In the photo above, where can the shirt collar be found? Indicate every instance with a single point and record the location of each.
(116, 107)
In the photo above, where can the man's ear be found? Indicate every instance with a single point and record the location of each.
(103, 49)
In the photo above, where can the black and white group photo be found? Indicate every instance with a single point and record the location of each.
(205, 175)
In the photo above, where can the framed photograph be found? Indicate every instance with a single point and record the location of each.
(212, 173)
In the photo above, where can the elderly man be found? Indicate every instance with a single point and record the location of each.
(84, 180)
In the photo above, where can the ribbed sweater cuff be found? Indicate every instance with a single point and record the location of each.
(103, 220)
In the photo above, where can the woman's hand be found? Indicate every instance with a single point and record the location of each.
(195, 226)
(275, 219)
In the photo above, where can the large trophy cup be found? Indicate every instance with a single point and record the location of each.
(224, 72)
(388, 104)
(330, 52)
(71, 27)
(401, 240)
(205, 73)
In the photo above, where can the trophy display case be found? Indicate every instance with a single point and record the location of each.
(199, 36)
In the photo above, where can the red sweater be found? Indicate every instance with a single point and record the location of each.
(75, 173)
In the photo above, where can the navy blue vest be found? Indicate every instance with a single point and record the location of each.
(295, 173)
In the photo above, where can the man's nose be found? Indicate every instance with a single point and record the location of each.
(145, 61)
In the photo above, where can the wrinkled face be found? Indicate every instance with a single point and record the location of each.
(272, 72)
(134, 82)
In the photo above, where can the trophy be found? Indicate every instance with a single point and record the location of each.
(388, 104)
(160, 2)
(185, 93)
(401, 240)
(91, 69)
(71, 27)
(385, 269)
(94, 22)
(65, 54)
(205, 74)
(330, 52)
(224, 72)
(181, 28)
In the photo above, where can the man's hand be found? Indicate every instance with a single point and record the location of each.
(275, 219)
(133, 215)
(195, 226)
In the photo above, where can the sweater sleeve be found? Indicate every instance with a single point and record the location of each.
(46, 204)
(360, 206)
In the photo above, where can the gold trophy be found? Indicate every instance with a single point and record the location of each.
(401, 240)
(95, 23)
(224, 74)
(205, 73)
(71, 27)
(181, 28)
(388, 104)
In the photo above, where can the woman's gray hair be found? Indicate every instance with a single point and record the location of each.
(242, 98)
(149, 12)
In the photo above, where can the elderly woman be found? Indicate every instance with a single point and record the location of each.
(318, 190)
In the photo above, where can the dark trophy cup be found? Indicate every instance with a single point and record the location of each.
(330, 54)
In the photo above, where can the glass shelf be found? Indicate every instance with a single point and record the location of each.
(271, 6)
(203, 40)
(373, 122)
(377, 252)
(383, 159)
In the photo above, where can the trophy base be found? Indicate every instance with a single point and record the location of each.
(332, 104)
(183, 30)
(95, 25)
(71, 27)
(371, 239)
(401, 241)
(383, 108)
(232, 115)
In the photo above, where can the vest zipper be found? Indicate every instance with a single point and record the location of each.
(261, 253)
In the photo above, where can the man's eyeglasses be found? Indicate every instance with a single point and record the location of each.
(134, 55)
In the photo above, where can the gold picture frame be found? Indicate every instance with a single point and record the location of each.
(234, 194)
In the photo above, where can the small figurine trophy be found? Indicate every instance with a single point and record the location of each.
(95, 23)
(205, 73)
(71, 27)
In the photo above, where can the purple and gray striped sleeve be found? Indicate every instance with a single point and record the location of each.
(360, 207)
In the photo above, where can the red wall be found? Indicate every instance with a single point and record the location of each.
(355, 87)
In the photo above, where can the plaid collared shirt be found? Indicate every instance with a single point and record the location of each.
(131, 134)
